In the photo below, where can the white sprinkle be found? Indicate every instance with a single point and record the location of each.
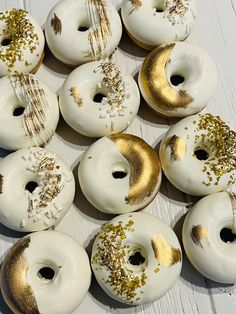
(102, 116)
(23, 223)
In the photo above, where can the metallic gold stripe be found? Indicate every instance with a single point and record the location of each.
(198, 233)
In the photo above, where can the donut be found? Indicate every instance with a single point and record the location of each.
(21, 42)
(79, 31)
(136, 258)
(29, 112)
(36, 189)
(209, 234)
(97, 99)
(198, 155)
(177, 79)
(120, 173)
(152, 23)
(39, 271)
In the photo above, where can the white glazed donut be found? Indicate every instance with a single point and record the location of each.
(36, 189)
(136, 258)
(198, 155)
(45, 272)
(79, 31)
(177, 79)
(83, 107)
(151, 23)
(120, 173)
(29, 112)
(209, 234)
(21, 42)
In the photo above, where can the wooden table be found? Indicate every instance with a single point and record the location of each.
(214, 32)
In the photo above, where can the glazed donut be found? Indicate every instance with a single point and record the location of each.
(177, 79)
(198, 155)
(79, 31)
(152, 23)
(208, 239)
(97, 99)
(36, 189)
(29, 112)
(120, 173)
(21, 42)
(39, 271)
(136, 258)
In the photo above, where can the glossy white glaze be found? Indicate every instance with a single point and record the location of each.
(114, 113)
(208, 253)
(25, 211)
(184, 169)
(131, 233)
(101, 34)
(175, 21)
(37, 123)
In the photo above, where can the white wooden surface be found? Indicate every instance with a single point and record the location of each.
(215, 32)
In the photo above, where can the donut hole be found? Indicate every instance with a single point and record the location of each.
(46, 273)
(83, 28)
(119, 174)
(227, 235)
(201, 154)
(136, 259)
(6, 41)
(18, 111)
(98, 97)
(31, 186)
(176, 79)
(159, 6)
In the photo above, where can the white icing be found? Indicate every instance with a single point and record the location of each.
(155, 28)
(71, 266)
(101, 189)
(200, 79)
(212, 257)
(74, 47)
(188, 173)
(39, 120)
(29, 58)
(48, 203)
(159, 279)
(95, 119)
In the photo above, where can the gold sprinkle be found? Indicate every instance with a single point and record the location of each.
(157, 270)
(198, 233)
(165, 254)
(74, 92)
(56, 25)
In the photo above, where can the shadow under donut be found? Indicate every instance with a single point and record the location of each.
(4, 309)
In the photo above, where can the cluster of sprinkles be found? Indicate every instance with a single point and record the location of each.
(51, 184)
(112, 255)
(21, 35)
(217, 138)
(176, 10)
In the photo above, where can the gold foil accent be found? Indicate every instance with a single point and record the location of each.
(1, 183)
(177, 146)
(14, 287)
(56, 25)
(136, 5)
(232, 197)
(165, 254)
(144, 165)
(155, 82)
(74, 92)
(198, 233)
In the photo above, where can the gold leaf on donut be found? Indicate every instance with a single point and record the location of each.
(74, 92)
(1, 183)
(136, 4)
(14, 287)
(198, 233)
(165, 254)
(155, 83)
(232, 197)
(56, 25)
(177, 146)
(144, 166)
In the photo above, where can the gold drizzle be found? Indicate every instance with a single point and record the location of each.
(22, 35)
(165, 254)
(14, 287)
(144, 165)
(74, 92)
(198, 233)
(156, 84)
(101, 30)
(1, 183)
(177, 146)
(27, 87)
(56, 25)
(136, 5)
